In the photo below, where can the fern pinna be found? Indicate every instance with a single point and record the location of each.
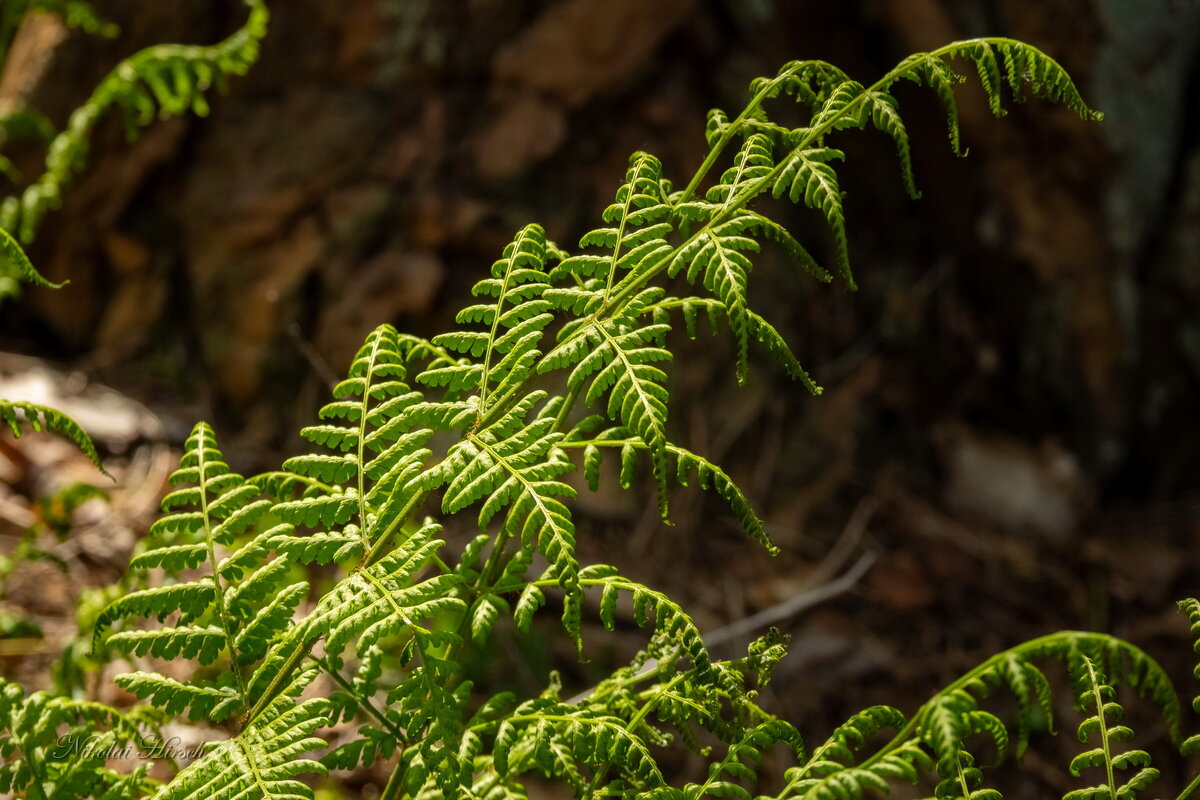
(493, 417)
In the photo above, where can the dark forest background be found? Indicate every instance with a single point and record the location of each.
(1011, 420)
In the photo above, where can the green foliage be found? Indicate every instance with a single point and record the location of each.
(56, 748)
(157, 82)
(18, 415)
(488, 417)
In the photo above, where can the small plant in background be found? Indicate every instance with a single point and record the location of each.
(558, 364)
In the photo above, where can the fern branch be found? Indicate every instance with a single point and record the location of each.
(168, 78)
(16, 415)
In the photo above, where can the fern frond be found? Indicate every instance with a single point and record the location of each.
(17, 415)
(649, 607)
(684, 464)
(807, 175)
(618, 357)
(57, 747)
(15, 266)
(263, 760)
(514, 467)
(1103, 726)
(383, 600)
(1191, 607)
(234, 611)
(831, 772)
(502, 357)
(165, 80)
(561, 741)
(638, 226)
(351, 496)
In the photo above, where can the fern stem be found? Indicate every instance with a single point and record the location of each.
(1051, 644)
(1098, 699)
(569, 401)
(394, 786)
(397, 522)
(362, 700)
(1189, 789)
(226, 625)
(726, 136)
(282, 676)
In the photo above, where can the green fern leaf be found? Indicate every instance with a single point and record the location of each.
(244, 602)
(165, 80)
(40, 418)
(637, 228)
(261, 761)
(807, 175)
(501, 358)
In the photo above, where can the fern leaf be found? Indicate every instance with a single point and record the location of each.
(349, 497)
(807, 175)
(382, 599)
(650, 607)
(513, 466)
(263, 760)
(234, 611)
(17, 415)
(687, 466)
(618, 357)
(166, 80)
(502, 357)
(213, 702)
(637, 228)
(1098, 699)
(882, 111)
(1191, 607)
(14, 263)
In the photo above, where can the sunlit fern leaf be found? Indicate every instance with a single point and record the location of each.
(941, 77)
(739, 765)
(18, 415)
(840, 110)
(753, 161)
(1102, 727)
(618, 357)
(371, 745)
(685, 465)
(234, 611)
(807, 175)
(558, 740)
(809, 83)
(209, 701)
(1023, 65)
(1034, 700)
(717, 256)
(164, 80)
(1046, 78)
(881, 110)
(514, 468)
(347, 495)
(430, 712)
(263, 760)
(638, 225)
(55, 748)
(382, 599)
(501, 355)
(649, 607)
(831, 771)
(713, 310)
(15, 265)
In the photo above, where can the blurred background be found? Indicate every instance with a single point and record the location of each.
(1011, 421)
